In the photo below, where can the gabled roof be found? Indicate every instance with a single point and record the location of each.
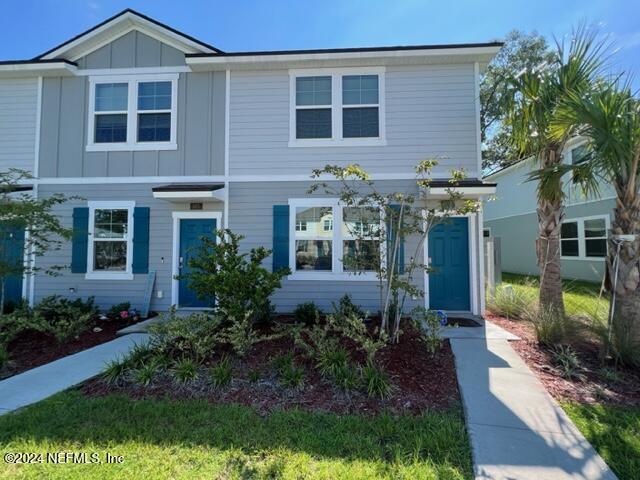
(119, 25)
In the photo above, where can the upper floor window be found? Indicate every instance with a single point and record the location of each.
(333, 107)
(132, 112)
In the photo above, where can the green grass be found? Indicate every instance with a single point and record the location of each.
(579, 297)
(194, 439)
(614, 432)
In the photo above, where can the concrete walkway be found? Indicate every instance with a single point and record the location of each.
(42, 382)
(517, 430)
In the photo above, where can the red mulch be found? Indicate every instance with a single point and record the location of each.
(32, 349)
(593, 388)
(421, 382)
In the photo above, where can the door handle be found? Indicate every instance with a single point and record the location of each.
(181, 263)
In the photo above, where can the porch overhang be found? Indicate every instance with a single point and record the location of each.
(468, 188)
(190, 192)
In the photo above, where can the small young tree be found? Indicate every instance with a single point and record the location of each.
(378, 222)
(22, 212)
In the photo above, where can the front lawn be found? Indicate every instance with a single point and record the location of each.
(195, 439)
(614, 432)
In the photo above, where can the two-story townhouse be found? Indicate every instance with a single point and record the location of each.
(165, 138)
(511, 216)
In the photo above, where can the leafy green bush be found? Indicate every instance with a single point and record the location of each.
(220, 374)
(254, 375)
(376, 381)
(4, 356)
(240, 334)
(429, 324)
(194, 336)
(511, 302)
(567, 361)
(551, 328)
(281, 361)
(185, 370)
(145, 374)
(239, 283)
(346, 377)
(292, 376)
(347, 308)
(332, 360)
(115, 310)
(116, 371)
(307, 313)
(139, 354)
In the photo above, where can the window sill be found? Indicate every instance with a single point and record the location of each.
(131, 147)
(344, 142)
(108, 276)
(590, 259)
(334, 277)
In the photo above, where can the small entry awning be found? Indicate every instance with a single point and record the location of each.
(185, 192)
(471, 187)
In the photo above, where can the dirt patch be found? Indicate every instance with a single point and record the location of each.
(596, 386)
(32, 349)
(421, 382)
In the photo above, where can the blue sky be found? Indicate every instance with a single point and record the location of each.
(29, 27)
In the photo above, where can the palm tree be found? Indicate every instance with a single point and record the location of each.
(610, 118)
(530, 110)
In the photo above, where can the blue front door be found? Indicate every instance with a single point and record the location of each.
(12, 252)
(191, 231)
(449, 253)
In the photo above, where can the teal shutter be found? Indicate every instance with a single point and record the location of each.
(280, 237)
(80, 240)
(140, 240)
(391, 239)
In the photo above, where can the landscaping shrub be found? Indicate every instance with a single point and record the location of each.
(281, 361)
(4, 356)
(429, 323)
(617, 343)
(185, 370)
(332, 360)
(254, 375)
(567, 361)
(117, 309)
(347, 308)
(144, 374)
(346, 377)
(239, 283)
(292, 376)
(116, 371)
(220, 374)
(376, 381)
(307, 313)
(551, 328)
(511, 302)
(139, 354)
(240, 334)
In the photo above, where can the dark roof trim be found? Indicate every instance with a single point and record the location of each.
(17, 188)
(129, 10)
(37, 61)
(461, 183)
(189, 187)
(349, 50)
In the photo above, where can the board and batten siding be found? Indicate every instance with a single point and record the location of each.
(251, 215)
(200, 133)
(109, 292)
(18, 123)
(430, 113)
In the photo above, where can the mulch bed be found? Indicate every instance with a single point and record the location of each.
(421, 382)
(593, 388)
(33, 349)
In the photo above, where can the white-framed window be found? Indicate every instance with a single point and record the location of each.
(584, 238)
(324, 251)
(110, 248)
(334, 107)
(132, 112)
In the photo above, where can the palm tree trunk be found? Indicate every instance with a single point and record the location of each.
(550, 216)
(624, 274)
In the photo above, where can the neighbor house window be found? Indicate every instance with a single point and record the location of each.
(133, 112)
(337, 240)
(110, 240)
(585, 238)
(337, 107)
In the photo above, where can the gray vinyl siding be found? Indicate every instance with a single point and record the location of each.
(134, 49)
(200, 133)
(430, 113)
(251, 215)
(518, 235)
(18, 111)
(109, 292)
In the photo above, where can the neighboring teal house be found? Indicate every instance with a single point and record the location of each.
(511, 216)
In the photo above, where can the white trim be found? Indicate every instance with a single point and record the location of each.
(130, 21)
(378, 55)
(481, 253)
(188, 195)
(208, 178)
(487, 190)
(175, 248)
(62, 69)
(36, 170)
(91, 72)
(582, 239)
(473, 258)
(337, 107)
(132, 143)
(476, 89)
(577, 204)
(227, 103)
(91, 274)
